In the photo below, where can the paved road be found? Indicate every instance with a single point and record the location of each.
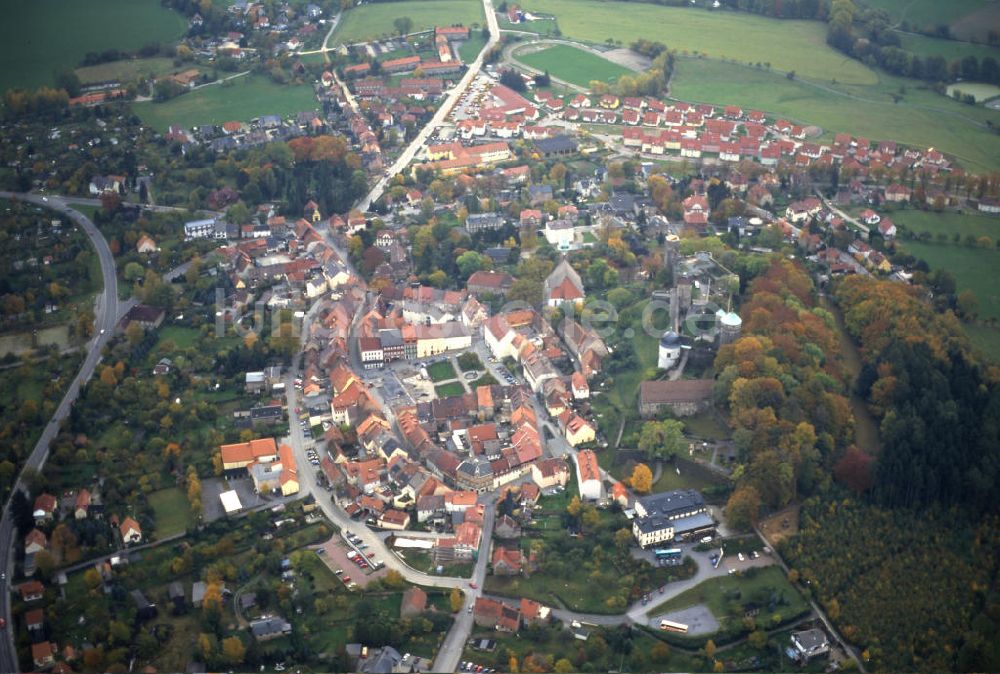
(438, 119)
(107, 311)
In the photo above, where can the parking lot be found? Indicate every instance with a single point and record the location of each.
(392, 390)
(334, 555)
(698, 619)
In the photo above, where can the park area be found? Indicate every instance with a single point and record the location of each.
(785, 44)
(372, 21)
(240, 99)
(441, 371)
(573, 65)
(921, 118)
(452, 388)
(41, 37)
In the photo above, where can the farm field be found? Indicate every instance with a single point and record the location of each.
(927, 13)
(573, 65)
(242, 99)
(786, 45)
(974, 269)
(123, 71)
(706, 81)
(39, 37)
(948, 223)
(949, 49)
(375, 20)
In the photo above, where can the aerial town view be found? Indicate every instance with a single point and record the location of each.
(500, 336)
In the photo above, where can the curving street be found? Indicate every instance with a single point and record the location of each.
(107, 311)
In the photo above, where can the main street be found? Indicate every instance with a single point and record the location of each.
(442, 113)
(107, 311)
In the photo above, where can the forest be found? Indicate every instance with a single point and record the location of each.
(907, 567)
(939, 408)
(784, 390)
(913, 590)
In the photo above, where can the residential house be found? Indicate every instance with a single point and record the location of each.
(577, 430)
(507, 561)
(496, 615)
(588, 474)
(414, 603)
(35, 542)
(81, 505)
(31, 590)
(146, 244)
(131, 531)
(269, 628)
(45, 507)
(550, 473)
(43, 654)
(506, 527)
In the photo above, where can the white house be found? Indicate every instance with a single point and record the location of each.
(588, 474)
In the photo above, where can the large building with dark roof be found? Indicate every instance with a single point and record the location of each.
(660, 518)
(683, 397)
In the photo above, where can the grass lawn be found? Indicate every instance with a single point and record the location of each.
(241, 99)
(947, 223)
(786, 45)
(422, 561)
(449, 389)
(692, 476)
(574, 65)
(706, 425)
(172, 510)
(182, 337)
(470, 48)
(39, 37)
(950, 126)
(441, 371)
(726, 596)
(374, 20)
(123, 71)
